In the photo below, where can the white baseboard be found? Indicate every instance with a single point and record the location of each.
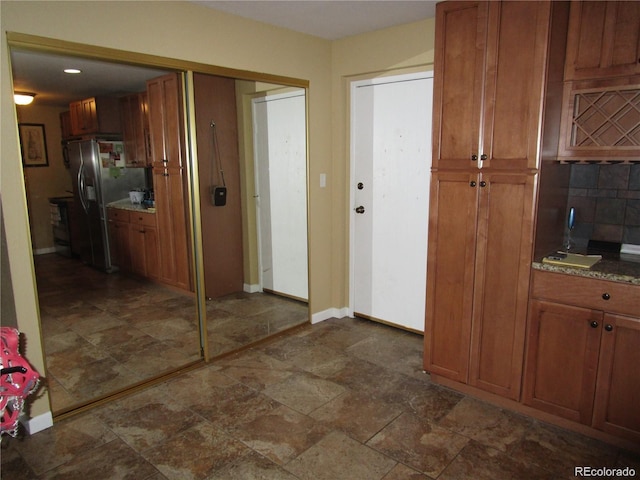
(251, 288)
(329, 313)
(44, 251)
(37, 424)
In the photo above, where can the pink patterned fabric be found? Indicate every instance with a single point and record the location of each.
(17, 380)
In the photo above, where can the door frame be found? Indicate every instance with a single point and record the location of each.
(422, 72)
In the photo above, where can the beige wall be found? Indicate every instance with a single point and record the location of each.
(191, 32)
(179, 30)
(45, 182)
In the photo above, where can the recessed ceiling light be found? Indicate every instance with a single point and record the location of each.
(72, 70)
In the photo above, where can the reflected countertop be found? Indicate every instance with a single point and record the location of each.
(125, 204)
(626, 269)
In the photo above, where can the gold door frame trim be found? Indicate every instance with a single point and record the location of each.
(55, 46)
(186, 68)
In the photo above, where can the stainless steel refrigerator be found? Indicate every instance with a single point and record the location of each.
(99, 177)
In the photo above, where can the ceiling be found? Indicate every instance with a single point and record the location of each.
(43, 74)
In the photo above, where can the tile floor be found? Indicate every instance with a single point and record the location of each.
(103, 333)
(343, 399)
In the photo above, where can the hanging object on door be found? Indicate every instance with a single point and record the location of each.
(218, 192)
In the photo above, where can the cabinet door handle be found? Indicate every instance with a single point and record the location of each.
(483, 184)
(606, 296)
(594, 324)
(483, 156)
(608, 327)
(474, 158)
(472, 183)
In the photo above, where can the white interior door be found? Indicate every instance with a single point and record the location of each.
(279, 124)
(390, 172)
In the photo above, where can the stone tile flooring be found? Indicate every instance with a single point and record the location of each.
(343, 399)
(105, 332)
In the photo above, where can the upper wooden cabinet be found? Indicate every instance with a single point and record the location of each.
(95, 115)
(603, 40)
(135, 129)
(165, 120)
(490, 62)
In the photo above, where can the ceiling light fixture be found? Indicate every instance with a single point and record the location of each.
(23, 98)
(72, 70)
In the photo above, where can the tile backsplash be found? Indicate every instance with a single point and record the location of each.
(607, 203)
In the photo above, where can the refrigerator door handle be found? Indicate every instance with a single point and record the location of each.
(81, 187)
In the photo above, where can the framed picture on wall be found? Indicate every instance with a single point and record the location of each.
(33, 144)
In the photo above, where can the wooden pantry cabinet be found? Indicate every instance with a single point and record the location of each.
(582, 352)
(169, 178)
(489, 83)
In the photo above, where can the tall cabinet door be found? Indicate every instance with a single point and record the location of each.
(500, 292)
(165, 120)
(450, 272)
(517, 44)
(461, 31)
(169, 178)
(488, 84)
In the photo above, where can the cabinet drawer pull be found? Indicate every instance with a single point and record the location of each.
(474, 158)
(606, 296)
(483, 156)
(594, 324)
(608, 327)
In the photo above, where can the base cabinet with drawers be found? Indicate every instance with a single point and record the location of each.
(134, 242)
(143, 244)
(582, 352)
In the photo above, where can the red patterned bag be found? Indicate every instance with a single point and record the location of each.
(17, 380)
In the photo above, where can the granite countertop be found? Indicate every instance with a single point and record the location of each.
(125, 204)
(626, 269)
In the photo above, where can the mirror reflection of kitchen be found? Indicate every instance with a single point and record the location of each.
(112, 229)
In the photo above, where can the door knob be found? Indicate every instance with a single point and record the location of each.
(359, 209)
